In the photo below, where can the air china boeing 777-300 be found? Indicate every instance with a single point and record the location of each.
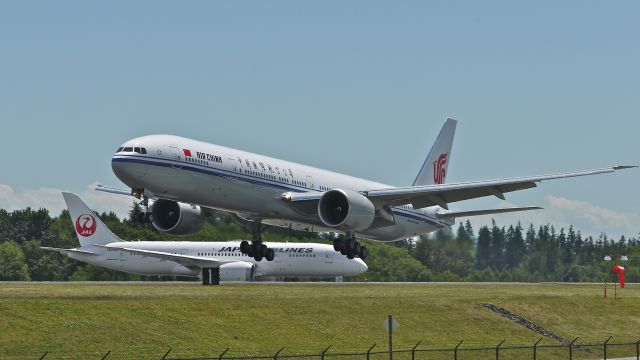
(186, 178)
(211, 261)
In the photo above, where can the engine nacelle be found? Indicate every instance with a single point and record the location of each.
(237, 271)
(177, 218)
(346, 210)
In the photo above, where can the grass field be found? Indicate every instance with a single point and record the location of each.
(144, 320)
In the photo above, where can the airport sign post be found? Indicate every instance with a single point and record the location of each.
(390, 324)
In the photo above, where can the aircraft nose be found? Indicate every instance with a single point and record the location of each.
(362, 266)
(356, 267)
(125, 171)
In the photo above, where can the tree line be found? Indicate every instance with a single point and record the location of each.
(494, 253)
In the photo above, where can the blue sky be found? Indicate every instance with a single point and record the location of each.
(360, 87)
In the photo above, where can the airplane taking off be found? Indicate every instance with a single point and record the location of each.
(186, 178)
(210, 261)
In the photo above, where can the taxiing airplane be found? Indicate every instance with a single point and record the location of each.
(210, 261)
(186, 178)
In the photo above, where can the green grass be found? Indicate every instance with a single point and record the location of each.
(86, 320)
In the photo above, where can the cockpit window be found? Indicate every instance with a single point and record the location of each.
(139, 150)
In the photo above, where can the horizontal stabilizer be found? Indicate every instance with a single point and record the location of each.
(458, 214)
(112, 190)
(66, 251)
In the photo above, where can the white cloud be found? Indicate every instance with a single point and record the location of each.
(562, 212)
(51, 199)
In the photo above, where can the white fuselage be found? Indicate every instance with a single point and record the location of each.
(291, 259)
(248, 184)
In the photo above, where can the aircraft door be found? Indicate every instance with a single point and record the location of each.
(176, 157)
(231, 164)
(310, 181)
(328, 257)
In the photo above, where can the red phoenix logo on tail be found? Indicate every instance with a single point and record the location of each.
(439, 169)
(86, 225)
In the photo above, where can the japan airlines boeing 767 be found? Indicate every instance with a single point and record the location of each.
(187, 177)
(211, 261)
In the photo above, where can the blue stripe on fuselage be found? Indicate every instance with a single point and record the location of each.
(245, 177)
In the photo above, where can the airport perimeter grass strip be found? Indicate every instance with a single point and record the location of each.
(258, 319)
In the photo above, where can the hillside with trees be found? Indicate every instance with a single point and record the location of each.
(495, 253)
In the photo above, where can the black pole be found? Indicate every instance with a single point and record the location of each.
(166, 354)
(222, 354)
(498, 349)
(390, 338)
(369, 351)
(325, 351)
(571, 348)
(637, 350)
(605, 347)
(535, 348)
(455, 350)
(105, 355)
(44, 355)
(275, 357)
(413, 351)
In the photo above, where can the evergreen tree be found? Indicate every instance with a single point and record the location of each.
(483, 251)
(515, 248)
(497, 246)
(136, 214)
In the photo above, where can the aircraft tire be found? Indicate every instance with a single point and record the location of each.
(350, 256)
(263, 250)
(270, 255)
(350, 244)
(258, 258)
(338, 244)
(364, 253)
(357, 249)
(244, 247)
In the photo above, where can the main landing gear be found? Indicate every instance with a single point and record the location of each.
(350, 247)
(256, 249)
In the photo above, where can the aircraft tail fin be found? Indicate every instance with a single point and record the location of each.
(434, 169)
(89, 228)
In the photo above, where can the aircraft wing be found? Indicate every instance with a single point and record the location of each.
(185, 260)
(430, 195)
(442, 195)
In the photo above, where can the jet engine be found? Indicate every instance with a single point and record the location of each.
(237, 271)
(177, 218)
(346, 210)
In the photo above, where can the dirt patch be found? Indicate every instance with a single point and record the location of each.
(531, 326)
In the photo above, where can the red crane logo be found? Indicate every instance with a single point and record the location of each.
(86, 225)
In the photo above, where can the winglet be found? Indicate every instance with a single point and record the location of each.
(622, 167)
(434, 168)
